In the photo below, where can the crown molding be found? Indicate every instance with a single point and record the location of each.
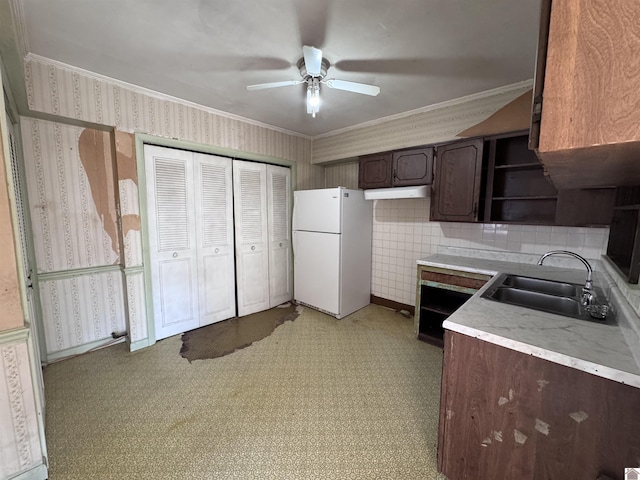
(32, 57)
(481, 96)
(486, 94)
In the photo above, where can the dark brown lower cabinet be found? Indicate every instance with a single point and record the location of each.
(509, 415)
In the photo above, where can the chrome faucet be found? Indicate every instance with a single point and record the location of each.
(588, 295)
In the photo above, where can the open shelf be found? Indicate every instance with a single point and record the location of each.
(517, 190)
(533, 197)
(538, 211)
(627, 207)
(442, 311)
(525, 166)
(623, 248)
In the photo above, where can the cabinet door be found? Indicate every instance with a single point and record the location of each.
(252, 256)
(519, 422)
(456, 191)
(172, 242)
(413, 167)
(375, 171)
(589, 122)
(279, 206)
(214, 211)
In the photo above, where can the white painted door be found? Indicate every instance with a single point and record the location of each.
(172, 240)
(214, 211)
(278, 207)
(252, 255)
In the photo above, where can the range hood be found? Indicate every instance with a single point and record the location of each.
(419, 191)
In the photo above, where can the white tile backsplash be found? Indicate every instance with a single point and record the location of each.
(402, 233)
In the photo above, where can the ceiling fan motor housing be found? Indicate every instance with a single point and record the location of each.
(324, 66)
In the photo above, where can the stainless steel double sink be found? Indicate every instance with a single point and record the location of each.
(549, 296)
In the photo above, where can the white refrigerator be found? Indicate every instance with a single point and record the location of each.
(332, 249)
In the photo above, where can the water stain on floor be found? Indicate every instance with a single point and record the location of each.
(227, 336)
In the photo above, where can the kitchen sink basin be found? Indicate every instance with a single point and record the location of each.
(542, 286)
(560, 298)
(539, 301)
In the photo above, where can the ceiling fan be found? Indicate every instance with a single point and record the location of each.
(313, 70)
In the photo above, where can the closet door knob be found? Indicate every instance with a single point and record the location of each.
(216, 250)
(175, 254)
(253, 247)
(280, 243)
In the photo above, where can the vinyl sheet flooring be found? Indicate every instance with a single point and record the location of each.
(319, 398)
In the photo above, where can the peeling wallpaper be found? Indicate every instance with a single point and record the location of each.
(402, 230)
(72, 211)
(72, 200)
(72, 191)
(73, 93)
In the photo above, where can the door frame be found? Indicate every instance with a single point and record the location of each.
(142, 139)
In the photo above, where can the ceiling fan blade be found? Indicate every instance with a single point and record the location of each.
(352, 87)
(262, 86)
(312, 60)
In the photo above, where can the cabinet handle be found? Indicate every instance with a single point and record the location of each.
(281, 244)
(253, 247)
(175, 254)
(216, 250)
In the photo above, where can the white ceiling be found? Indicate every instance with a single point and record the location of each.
(419, 52)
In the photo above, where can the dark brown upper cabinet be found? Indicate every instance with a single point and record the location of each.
(412, 167)
(499, 180)
(455, 194)
(375, 171)
(585, 120)
(396, 169)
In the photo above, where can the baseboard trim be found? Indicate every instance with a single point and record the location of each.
(38, 472)
(82, 349)
(140, 344)
(392, 304)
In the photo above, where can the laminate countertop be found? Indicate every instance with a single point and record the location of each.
(609, 351)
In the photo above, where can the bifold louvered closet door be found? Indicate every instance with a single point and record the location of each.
(190, 219)
(263, 244)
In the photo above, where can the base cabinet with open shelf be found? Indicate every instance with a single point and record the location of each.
(440, 293)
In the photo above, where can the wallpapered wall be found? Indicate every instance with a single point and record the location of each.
(430, 125)
(402, 230)
(56, 89)
(70, 183)
(72, 192)
(12, 316)
(403, 233)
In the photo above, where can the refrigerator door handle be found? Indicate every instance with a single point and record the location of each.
(293, 245)
(293, 214)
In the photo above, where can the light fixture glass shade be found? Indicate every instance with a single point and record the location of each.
(313, 96)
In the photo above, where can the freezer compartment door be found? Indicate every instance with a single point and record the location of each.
(317, 210)
(316, 262)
